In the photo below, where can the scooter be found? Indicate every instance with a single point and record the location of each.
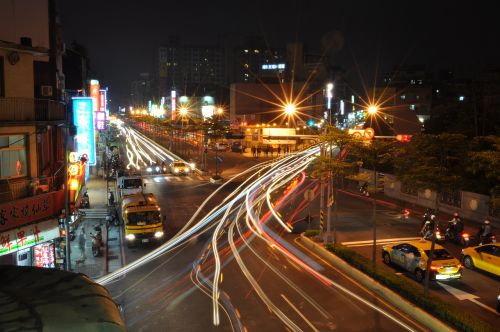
(490, 238)
(427, 234)
(364, 190)
(463, 238)
(96, 240)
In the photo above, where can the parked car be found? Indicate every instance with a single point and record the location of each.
(221, 146)
(179, 167)
(412, 256)
(485, 257)
(237, 147)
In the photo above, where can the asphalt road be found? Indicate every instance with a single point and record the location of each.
(355, 225)
(161, 295)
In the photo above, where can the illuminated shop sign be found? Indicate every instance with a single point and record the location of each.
(273, 66)
(28, 236)
(83, 119)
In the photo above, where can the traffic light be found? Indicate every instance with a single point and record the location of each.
(403, 138)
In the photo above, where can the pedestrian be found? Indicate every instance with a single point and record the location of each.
(111, 198)
(279, 150)
(271, 150)
(267, 151)
(81, 244)
(254, 151)
(258, 151)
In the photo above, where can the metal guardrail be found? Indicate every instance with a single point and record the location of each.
(27, 109)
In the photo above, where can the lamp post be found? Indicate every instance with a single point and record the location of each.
(183, 113)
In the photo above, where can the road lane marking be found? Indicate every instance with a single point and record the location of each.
(299, 313)
(463, 295)
(369, 242)
(200, 178)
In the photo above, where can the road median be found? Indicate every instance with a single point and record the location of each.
(431, 312)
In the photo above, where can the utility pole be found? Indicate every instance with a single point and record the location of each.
(321, 197)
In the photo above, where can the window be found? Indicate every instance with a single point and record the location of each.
(412, 107)
(13, 156)
(461, 98)
(403, 97)
(2, 82)
(439, 254)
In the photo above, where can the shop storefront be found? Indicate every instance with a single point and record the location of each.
(31, 245)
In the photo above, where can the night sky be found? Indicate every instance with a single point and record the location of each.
(122, 37)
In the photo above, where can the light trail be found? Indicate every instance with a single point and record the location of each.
(243, 205)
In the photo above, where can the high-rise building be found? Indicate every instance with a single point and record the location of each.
(192, 70)
(141, 90)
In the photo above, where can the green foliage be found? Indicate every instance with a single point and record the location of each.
(325, 165)
(433, 161)
(484, 162)
(376, 154)
(311, 233)
(457, 318)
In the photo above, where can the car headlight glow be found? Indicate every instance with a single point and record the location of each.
(158, 234)
(176, 170)
(149, 169)
(192, 165)
(157, 168)
(130, 237)
(187, 169)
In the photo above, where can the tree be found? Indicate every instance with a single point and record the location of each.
(433, 162)
(484, 162)
(326, 165)
(375, 155)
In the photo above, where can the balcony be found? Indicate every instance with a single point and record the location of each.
(30, 110)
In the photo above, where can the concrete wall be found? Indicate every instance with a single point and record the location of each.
(18, 77)
(473, 206)
(25, 18)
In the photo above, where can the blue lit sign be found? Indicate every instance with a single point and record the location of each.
(83, 119)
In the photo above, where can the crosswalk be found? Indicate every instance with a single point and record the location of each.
(94, 213)
(380, 242)
(174, 178)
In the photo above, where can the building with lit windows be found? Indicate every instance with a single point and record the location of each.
(32, 113)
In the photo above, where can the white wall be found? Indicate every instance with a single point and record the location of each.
(18, 78)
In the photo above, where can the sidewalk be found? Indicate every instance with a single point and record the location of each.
(111, 257)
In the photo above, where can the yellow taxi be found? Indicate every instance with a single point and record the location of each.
(179, 167)
(413, 255)
(485, 257)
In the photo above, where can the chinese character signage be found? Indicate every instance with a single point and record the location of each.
(28, 236)
(94, 94)
(24, 211)
(102, 101)
(44, 255)
(83, 118)
(100, 122)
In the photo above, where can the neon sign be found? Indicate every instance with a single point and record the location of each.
(83, 119)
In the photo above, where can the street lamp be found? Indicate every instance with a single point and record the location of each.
(220, 111)
(372, 109)
(290, 109)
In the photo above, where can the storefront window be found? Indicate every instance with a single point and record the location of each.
(13, 156)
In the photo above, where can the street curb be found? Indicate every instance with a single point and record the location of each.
(106, 266)
(390, 296)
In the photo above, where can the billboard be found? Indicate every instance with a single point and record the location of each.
(83, 119)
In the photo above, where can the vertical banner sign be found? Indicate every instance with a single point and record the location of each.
(101, 115)
(83, 119)
(94, 94)
(173, 104)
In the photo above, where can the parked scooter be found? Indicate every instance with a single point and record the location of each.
(96, 240)
(85, 203)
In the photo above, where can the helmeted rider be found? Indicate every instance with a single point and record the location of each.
(455, 226)
(484, 231)
(428, 227)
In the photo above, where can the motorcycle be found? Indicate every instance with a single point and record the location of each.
(427, 234)
(490, 238)
(463, 238)
(364, 190)
(96, 241)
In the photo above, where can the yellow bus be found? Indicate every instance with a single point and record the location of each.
(142, 219)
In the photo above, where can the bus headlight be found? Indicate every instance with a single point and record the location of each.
(149, 169)
(158, 234)
(130, 237)
(187, 170)
(157, 168)
(176, 170)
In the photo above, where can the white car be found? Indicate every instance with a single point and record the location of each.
(221, 146)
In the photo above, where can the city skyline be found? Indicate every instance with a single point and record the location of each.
(360, 38)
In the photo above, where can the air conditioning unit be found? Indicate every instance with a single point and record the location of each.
(46, 90)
